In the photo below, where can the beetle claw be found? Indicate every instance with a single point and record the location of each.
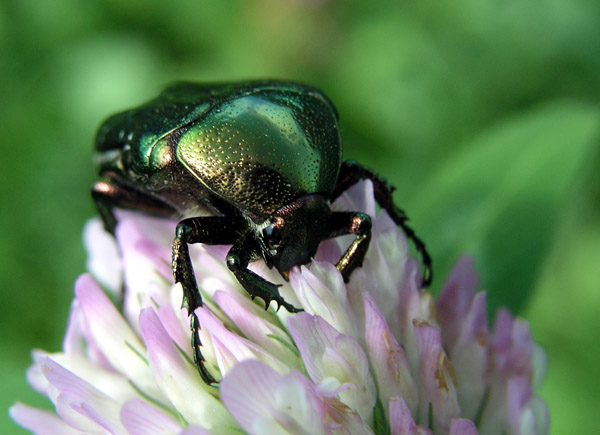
(289, 307)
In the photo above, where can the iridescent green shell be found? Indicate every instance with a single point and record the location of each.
(257, 145)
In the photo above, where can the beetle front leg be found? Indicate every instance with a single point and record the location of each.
(238, 258)
(342, 223)
(351, 173)
(212, 230)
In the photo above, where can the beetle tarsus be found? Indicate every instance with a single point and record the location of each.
(238, 258)
(198, 357)
(289, 307)
(211, 229)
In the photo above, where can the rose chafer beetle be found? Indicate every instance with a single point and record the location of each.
(254, 165)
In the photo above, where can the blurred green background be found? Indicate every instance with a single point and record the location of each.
(485, 114)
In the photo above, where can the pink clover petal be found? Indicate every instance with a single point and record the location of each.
(100, 418)
(501, 342)
(359, 197)
(385, 225)
(361, 279)
(469, 357)
(155, 229)
(363, 197)
(173, 325)
(224, 357)
(194, 430)
(494, 418)
(211, 270)
(438, 382)
(35, 377)
(38, 374)
(512, 372)
(512, 349)
(135, 240)
(113, 335)
(218, 253)
(89, 364)
(321, 291)
(258, 329)
(410, 308)
(103, 257)
(264, 401)
(522, 348)
(79, 346)
(144, 269)
(329, 251)
(159, 256)
(79, 403)
(230, 348)
(329, 354)
(388, 360)
(73, 343)
(454, 301)
(243, 302)
(341, 419)
(387, 257)
(40, 421)
(111, 383)
(520, 417)
(540, 414)
(179, 378)
(311, 342)
(462, 426)
(142, 418)
(539, 362)
(331, 387)
(401, 420)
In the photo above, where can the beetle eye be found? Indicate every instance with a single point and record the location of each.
(272, 236)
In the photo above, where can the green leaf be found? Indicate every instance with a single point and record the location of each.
(381, 424)
(498, 197)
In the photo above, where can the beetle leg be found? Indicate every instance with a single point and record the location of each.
(351, 173)
(238, 258)
(357, 223)
(113, 191)
(212, 230)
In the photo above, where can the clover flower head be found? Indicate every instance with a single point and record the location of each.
(375, 355)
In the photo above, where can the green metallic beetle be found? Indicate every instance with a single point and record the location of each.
(253, 164)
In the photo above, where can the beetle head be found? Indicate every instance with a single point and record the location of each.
(294, 232)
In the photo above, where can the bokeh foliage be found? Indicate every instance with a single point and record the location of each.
(485, 114)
